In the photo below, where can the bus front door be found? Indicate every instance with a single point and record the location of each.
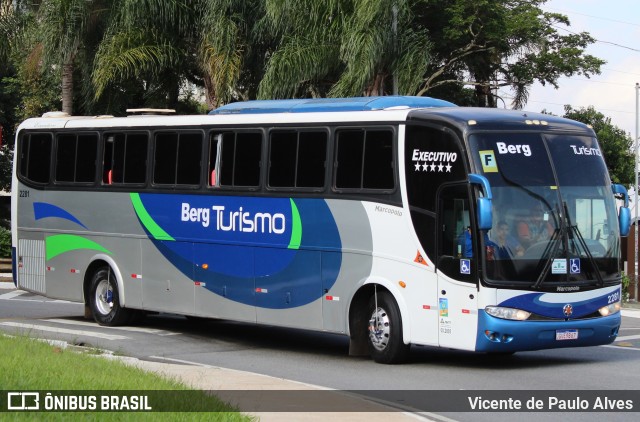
(456, 270)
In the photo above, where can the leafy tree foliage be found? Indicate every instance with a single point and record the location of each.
(101, 57)
(148, 52)
(344, 48)
(165, 44)
(491, 44)
(616, 145)
(67, 34)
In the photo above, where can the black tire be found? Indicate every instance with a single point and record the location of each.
(104, 300)
(385, 330)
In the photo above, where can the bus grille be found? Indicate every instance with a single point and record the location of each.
(31, 269)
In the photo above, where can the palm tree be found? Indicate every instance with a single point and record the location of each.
(206, 42)
(12, 23)
(64, 28)
(344, 48)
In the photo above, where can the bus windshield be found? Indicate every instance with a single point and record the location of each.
(554, 215)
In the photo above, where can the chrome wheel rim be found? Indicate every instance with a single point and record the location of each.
(104, 297)
(379, 329)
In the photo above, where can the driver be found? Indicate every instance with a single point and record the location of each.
(506, 246)
(536, 228)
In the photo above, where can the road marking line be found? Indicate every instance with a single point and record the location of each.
(64, 331)
(621, 347)
(93, 324)
(15, 296)
(12, 294)
(630, 313)
(625, 338)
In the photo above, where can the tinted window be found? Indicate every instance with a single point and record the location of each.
(35, 156)
(508, 159)
(125, 158)
(177, 158)
(578, 160)
(215, 143)
(240, 159)
(432, 157)
(364, 159)
(76, 157)
(297, 159)
(349, 156)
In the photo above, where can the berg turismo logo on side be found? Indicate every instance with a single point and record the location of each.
(239, 220)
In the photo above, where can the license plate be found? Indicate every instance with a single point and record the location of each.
(566, 334)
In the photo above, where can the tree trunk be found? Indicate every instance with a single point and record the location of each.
(67, 87)
(210, 92)
(376, 88)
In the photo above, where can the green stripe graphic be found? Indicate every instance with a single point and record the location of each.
(61, 243)
(152, 227)
(296, 230)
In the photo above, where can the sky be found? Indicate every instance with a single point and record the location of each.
(616, 26)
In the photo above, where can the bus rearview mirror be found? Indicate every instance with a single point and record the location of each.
(624, 220)
(483, 205)
(485, 216)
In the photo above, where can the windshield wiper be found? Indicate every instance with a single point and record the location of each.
(562, 235)
(551, 250)
(581, 241)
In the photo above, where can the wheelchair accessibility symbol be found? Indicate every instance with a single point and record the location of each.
(465, 266)
(575, 265)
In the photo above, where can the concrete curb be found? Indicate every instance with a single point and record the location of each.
(210, 378)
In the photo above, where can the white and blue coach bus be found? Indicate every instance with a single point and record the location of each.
(393, 220)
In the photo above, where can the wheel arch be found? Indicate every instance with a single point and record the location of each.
(358, 313)
(96, 262)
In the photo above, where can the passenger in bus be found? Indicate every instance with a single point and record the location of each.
(505, 245)
(535, 229)
(465, 244)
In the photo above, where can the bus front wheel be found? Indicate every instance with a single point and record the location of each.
(105, 301)
(385, 330)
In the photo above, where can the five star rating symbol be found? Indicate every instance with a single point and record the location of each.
(432, 167)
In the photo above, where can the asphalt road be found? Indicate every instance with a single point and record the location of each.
(322, 359)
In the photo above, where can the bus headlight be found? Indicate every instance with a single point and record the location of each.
(507, 313)
(610, 309)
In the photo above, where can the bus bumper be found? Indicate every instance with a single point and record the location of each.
(501, 335)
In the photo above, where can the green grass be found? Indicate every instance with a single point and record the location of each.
(28, 365)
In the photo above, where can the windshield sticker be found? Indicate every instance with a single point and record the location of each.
(559, 266)
(575, 265)
(465, 266)
(439, 162)
(513, 149)
(582, 150)
(488, 160)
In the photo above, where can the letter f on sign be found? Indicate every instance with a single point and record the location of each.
(488, 160)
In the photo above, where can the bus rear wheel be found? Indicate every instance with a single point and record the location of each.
(105, 301)
(385, 330)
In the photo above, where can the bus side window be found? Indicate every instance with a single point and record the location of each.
(364, 159)
(237, 159)
(125, 158)
(215, 143)
(35, 156)
(455, 240)
(297, 159)
(177, 158)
